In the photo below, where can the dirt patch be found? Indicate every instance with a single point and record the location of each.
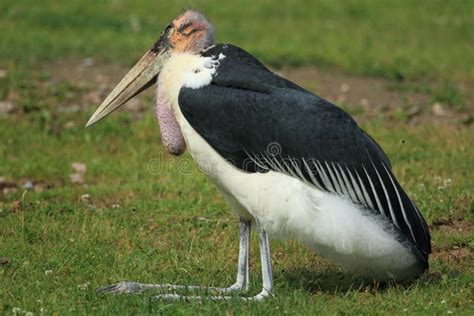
(364, 97)
(451, 225)
(8, 187)
(368, 97)
(5, 184)
(456, 253)
(4, 261)
(96, 81)
(452, 254)
(368, 92)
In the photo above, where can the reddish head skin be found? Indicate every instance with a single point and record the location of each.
(190, 32)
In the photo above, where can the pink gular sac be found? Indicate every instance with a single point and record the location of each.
(171, 135)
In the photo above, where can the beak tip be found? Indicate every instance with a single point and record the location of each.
(91, 121)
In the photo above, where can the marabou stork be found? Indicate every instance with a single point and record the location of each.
(292, 163)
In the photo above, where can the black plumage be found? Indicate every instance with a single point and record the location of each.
(259, 121)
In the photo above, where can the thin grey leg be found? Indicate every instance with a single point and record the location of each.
(267, 277)
(243, 275)
(241, 283)
(267, 274)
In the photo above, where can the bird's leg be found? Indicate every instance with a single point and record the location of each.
(241, 283)
(267, 278)
(266, 262)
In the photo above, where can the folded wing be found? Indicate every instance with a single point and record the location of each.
(259, 121)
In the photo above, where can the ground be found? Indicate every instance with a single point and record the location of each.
(82, 208)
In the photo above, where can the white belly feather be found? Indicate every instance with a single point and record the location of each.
(334, 227)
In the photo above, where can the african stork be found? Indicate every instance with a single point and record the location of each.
(289, 162)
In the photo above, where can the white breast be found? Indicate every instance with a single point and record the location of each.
(335, 227)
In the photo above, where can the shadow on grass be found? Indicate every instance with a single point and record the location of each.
(333, 280)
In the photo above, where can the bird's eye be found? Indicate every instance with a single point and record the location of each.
(184, 26)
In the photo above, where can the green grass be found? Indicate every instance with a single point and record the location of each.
(396, 39)
(450, 95)
(156, 231)
(143, 215)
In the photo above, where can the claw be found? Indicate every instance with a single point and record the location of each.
(111, 289)
(122, 287)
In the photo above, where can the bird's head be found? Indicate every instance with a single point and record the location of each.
(190, 32)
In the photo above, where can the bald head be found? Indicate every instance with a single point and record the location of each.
(191, 32)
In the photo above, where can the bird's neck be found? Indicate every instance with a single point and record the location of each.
(171, 135)
(181, 70)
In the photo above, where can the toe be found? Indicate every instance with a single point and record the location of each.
(114, 288)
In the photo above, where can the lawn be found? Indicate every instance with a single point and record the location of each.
(82, 208)
(396, 39)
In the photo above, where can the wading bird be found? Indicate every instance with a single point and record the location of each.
(289, 162)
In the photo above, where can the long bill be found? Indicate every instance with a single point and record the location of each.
(138, 79)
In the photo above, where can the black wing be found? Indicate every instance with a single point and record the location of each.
(259, 121)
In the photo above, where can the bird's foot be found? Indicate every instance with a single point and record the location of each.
(263, 295)
(127, 287)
